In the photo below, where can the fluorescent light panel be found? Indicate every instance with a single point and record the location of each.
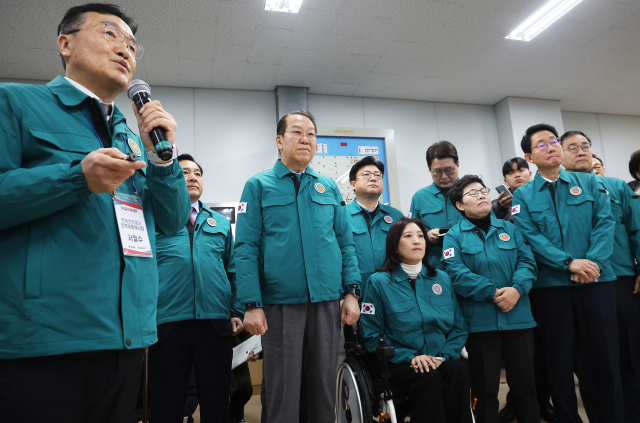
(291, 6)
(542, 19)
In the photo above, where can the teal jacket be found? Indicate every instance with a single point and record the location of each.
(371, 248)
(61, 286)
(625, 208)
(478, 268)
(436, 211)
(427, 321)
(198, 283)
(583, 213)
(292, 249)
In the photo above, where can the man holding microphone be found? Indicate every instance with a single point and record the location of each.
(294, 258)
(77, 229)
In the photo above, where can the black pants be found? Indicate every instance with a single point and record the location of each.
(437, 396)
(203, 344)
(579, 328)
(486, 350)
(89, 387)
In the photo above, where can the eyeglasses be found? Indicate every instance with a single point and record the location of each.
(369, 175)
(543, 145)
(449, 171)
(475, 192)
(598, 166)
(299, 134)
(115, 35)
(574, 148)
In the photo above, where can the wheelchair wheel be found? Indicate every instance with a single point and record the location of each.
(353, 404)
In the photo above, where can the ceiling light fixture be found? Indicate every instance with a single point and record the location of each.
(542, 19)
(291, 6)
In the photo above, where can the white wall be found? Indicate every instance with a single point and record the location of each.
(614, 138)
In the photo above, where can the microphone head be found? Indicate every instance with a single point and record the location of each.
(136, 86)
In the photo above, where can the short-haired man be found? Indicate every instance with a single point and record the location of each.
(295, 257)
(431, 204)
(516, 173)
(80, 284)
(369, 219)
(568, 222)
(598, 165)
(197, 311)
(625, 207)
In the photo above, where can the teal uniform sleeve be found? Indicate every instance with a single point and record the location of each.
(602, 234)
(466, 283)
(631, 220)
(457, 336)
(545, 252)
(230, 267)
(30, 194)
(350, 270)
(247, 248)
(413, 211)
(169, 197)
(526, 270)
(373, 324)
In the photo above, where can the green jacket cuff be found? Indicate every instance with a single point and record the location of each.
(158, 171)
(79, 182)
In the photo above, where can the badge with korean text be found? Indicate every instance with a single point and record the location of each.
(134, 147)
(131, 226)
(575, 191)
(319, 187)
(211, 222)
(388, 219)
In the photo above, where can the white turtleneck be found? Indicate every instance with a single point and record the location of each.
(413, 270)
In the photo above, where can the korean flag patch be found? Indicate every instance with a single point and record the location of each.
(368, 308)
(242, 208)
(448, 253)
(515, 209)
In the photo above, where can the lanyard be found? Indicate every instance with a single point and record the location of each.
(135, 190)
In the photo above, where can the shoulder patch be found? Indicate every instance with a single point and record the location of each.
(515, 209)
(242, 208)
(368, 308)
(448, 253)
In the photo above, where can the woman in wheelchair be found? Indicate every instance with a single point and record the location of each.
(492, 271)
(415, 307)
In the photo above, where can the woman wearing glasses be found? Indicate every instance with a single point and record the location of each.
(413, 304)
(492, 270)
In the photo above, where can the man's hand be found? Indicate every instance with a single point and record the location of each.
(423, 362)
(105, 170)
(506, 298)
(349, 311)
(236, 326)
(252, 357)
(152, 115)
(255, 321)
(584, 270)
(505, 200)
(432, 235)
(636, 288)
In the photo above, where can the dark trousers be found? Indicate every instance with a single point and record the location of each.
(88, 387)
(437, 396)
(204, 345)
(486, 350)
(579, 328)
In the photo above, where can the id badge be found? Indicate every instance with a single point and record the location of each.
(131, 225)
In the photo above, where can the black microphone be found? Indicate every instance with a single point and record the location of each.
(140, 93)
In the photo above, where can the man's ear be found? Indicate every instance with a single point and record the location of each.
(279, 142)
(528, 158)
(459, 206)
(63, 46)
(352, 184)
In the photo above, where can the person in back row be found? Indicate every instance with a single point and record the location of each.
(625, 207)
(492, 270)
(634, 171)
(597, 165)
(516, 173)
(369, 219)
(414, 306)
(431, 204)
(568, 223)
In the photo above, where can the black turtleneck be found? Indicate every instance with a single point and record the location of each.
(483, 223)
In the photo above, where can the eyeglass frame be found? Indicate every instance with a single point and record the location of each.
(579, 147)
(547, 144)
(138, 47)
(448, 171)
(598, 166)
(313, 137)
(377, 174)
(478, 191)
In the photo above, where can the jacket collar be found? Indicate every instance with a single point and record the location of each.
(465, 225)
(400, 275)
(539, 182)
(354, 208)
(281, 170)
(434, 189)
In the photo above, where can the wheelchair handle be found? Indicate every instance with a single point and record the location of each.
(384, 351)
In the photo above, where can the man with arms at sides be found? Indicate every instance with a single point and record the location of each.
(295, 257)
(369, 219)
(516, 173)
(197, 311)
(431, 204)
(625, 207)
(568, 223)
(76, 307)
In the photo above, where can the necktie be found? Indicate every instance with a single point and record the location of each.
(296, 181)
(106, 109)
(193, 216)
(552, 191)
(98, 123)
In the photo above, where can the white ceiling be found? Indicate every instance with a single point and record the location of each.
(448, 51)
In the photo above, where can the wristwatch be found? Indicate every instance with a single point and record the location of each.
(353, 290)
(249, 306)
(440, 357)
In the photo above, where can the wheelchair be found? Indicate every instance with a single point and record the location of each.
(363, 397)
